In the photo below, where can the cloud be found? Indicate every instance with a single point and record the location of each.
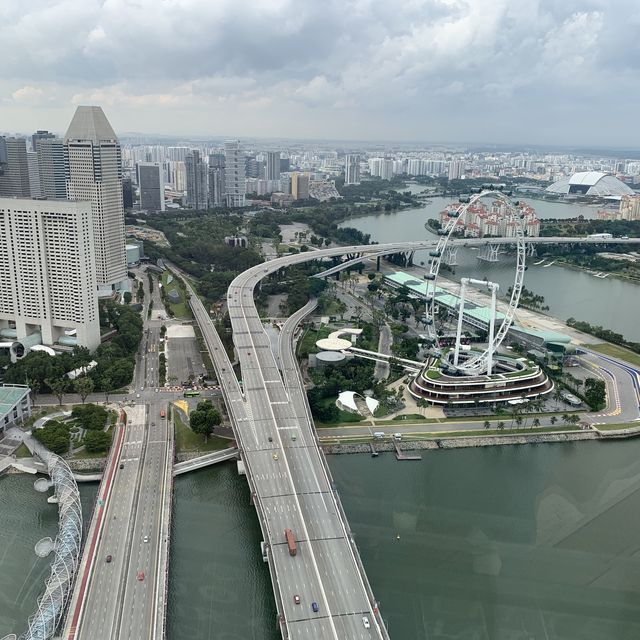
(337, 68)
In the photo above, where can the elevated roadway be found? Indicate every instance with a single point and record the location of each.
(121, 592)
(470, 242)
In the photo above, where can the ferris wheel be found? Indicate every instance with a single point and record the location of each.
(457, 220)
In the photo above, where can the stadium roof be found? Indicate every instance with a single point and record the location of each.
(590, 183)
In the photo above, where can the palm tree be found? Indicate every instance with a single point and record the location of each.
(487, 424)
(553, 420)
(500, 425)
(536, 422)
(566, 418)
(519, 420)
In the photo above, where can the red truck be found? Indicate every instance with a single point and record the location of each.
(291, 543)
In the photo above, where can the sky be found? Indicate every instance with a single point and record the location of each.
(562, 72)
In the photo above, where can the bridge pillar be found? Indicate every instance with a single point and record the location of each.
(451, 256)
(378, 263)
(490, 253)
(410, 259)
(531, 249)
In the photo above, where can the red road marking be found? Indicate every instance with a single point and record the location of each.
(104, 490)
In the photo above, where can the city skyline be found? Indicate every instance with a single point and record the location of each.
(424, 71)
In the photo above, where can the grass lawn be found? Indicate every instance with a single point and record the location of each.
(615, 427)
(615, 351)
(180, 309)
(187, 440)
(22, 451)
(84, 454)
(308, 342)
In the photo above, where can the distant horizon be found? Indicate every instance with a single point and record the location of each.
(466, 147)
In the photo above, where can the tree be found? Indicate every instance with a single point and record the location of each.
(58, 388)
(83, 386)
(553, 420)
(500, 425)
(127, 297)
(487, 424)
(536, 422)
(54, 436)
(595, 393)
(97, 441)
(105, 383)
(205, 418)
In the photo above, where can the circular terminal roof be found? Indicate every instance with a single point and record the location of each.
(330, 356)
(333, 344)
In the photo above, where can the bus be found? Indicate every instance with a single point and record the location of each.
(191, 394)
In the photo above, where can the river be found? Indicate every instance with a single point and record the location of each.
(610, 302)
(25, 518)
(538, 542)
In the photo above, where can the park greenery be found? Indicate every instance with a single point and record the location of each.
(604, 334)
(204, 419)
(115, 359)
(91, 417)
(55, 436)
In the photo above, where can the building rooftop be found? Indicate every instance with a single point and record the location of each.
(10, 396)
(90, 123)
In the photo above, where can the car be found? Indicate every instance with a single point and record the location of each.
(296, 599)
(137, 395)
(275, 456)
(140, 576)
(141, 388)
(293, 435)
(365, 622)
(314, 607)
(122, 465)
(108, 558)
(145, 539)
(153, 424)
(270, 439)
(157, 390)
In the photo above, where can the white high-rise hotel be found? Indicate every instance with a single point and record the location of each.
(94, 173)
(47, 273)
(234, 174)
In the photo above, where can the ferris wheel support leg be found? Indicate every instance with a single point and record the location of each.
(492, 326)
(463, 287)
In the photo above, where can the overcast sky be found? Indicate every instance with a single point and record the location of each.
(505, 71)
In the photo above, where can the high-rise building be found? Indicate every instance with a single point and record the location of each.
(127, 193)
(14, 182)
(351, 169)
(251, 167)
(216, 180)
(285, 165)
(48, 281)
(50, 152)
(94, 172)
(151, 185)
(197, 190)
(456, 168)
(34, 175)
(273, 166)
(630, 207)
(386, 169)
(300, 186)
(234, 174)
(40, 135)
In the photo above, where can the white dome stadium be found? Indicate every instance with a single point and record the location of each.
(590, 183)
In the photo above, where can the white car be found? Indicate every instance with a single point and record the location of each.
(145, 539)
(365, 622)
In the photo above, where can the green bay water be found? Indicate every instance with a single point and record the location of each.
(537, 542)
(25, 518)
(610, 302)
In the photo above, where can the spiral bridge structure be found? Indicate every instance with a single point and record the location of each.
(51, 604)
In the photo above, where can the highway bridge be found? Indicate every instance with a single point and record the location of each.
(379, 251)
(120, 591)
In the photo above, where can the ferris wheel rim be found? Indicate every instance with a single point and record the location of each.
(478, 362)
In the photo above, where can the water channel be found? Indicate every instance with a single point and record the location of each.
(536, 542)
(609, 302)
